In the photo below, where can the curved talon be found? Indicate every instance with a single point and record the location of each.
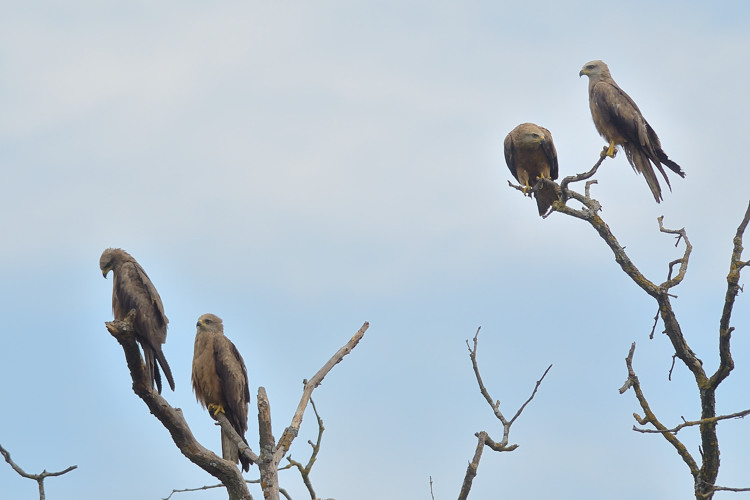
(610, 151)
(213, 409)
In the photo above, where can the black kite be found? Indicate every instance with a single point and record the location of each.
(220, 381)
(531, 155)
(618, 119)
(132, 289)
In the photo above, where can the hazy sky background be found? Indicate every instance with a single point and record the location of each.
(298, 169)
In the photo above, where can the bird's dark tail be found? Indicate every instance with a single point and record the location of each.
(545, 196)
(165, 368)
(674, 167)
(657, 154)
(152, 371)
(641, 164)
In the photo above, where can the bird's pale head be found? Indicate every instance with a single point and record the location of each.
(210, 323)
(530, 134)
(110, 258)
(594, 69)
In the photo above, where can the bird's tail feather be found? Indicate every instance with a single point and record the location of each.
(674, 167)
(545, 196)
(152, 372)
(657, 154)
(164, 367)
(641, 164)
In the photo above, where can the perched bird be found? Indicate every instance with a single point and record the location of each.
(132, 289)
(531, 155)
(620, 122)
(220, 381)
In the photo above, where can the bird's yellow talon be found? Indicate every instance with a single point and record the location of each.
(213, 409)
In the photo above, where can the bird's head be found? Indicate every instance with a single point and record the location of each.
(107, 261)
(594, 69)
(535, 138)
(209, 322)
(111, 258)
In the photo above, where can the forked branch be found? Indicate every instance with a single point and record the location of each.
(483, 438)
(271, 452)
(39, 478)
(224, 470)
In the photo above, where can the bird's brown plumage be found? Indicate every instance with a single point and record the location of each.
(530, 154)
(220, 380)
(618, 119)
(132, 289)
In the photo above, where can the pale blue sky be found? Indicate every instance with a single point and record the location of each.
(300, 169)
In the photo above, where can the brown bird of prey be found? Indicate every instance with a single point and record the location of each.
(132, 289)
(220, 382)
(530, 155)
(620, 122)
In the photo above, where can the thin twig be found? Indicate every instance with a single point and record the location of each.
(675, 430)
(304, 470)
(653, 328)
(650, 418)
(725, 488)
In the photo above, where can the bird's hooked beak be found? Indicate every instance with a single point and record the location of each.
(581, 73)
(105, 272)
(199, 323)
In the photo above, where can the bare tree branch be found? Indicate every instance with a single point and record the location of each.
(304, 470)
(272, 452)
(39, 478)
(172, 418)
(650, 418)
(686, 423)
(471, 469)
(502, 445)
(199, 488)
(224, 470)
(207, 487)
(725, 488)
(705, 475)
(681, 235)
(726, 364)
(483, 439)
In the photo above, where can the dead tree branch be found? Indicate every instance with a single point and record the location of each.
(690, 423)
(271, 452)
(649, 417)
(304, 470)
(213, 486)
(173, 420)
(483, 438)
(471, 469)
(39, 478)
(726, 364)
(705, 475)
